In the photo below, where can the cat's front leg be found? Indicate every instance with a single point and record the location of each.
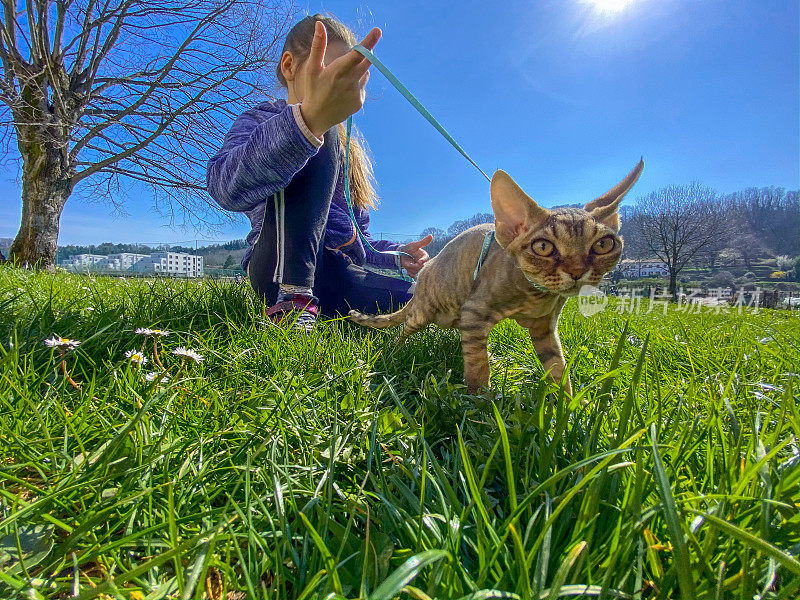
(475, 328)
(547, 345)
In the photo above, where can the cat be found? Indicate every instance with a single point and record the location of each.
(538, 259)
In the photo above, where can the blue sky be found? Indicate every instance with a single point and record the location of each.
(563, 96)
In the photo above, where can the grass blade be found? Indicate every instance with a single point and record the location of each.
(327, 557)
(680, 551)
(564, 569)
(756, 543)
(406, 573)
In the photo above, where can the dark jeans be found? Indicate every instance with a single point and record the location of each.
(290, 247)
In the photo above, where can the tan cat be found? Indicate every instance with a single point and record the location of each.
(539, 258)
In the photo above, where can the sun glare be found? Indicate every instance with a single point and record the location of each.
(609, 7)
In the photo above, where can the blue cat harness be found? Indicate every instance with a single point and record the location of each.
(488, 240)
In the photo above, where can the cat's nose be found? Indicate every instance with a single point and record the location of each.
(577, 272)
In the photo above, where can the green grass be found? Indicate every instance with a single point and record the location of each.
(350, 464)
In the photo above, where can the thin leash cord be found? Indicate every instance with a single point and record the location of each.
(416, 104)
(421, 110)
(349, 201)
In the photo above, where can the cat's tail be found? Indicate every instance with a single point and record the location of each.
(381, 321)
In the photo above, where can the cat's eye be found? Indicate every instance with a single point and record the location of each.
(543, 247)
(604, 245)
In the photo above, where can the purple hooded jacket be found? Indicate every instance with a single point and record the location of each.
(261, 154)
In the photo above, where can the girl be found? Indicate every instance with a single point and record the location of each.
(282, 164)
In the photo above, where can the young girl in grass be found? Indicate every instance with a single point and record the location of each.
(282, 164)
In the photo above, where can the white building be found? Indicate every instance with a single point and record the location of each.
(634, 269)
(124, 261)
(82, 262)
(176, 264)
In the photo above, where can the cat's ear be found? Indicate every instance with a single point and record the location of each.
(514, 210)
(604, 208)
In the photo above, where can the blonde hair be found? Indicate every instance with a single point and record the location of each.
(298, 42)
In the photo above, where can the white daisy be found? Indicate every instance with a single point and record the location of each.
(136, 357)
(146, 331)
(59, 342)
(188, 353)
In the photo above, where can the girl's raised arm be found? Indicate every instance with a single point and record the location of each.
(259, 157)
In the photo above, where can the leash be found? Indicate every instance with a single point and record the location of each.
(421, 110)
(416, 104)
(488, 240)
(349, 201)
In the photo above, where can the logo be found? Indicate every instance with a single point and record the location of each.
(591, 300)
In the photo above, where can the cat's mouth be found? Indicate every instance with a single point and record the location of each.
(563, 290)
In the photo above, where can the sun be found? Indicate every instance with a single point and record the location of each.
(609, 7)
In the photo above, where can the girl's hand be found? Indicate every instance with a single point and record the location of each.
(415, 249)
(336, 91)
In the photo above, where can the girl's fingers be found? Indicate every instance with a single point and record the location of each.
(353, 58)
(362, 83)
(316, 56)
(421, 243)
(361, 68)
(369, 42)
(371, 39)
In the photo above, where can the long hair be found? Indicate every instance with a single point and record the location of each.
(298, 42)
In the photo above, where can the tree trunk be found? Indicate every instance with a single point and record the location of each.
(45, 189)
(746, 258)
(673, 285)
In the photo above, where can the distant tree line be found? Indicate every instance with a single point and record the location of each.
(442, 236)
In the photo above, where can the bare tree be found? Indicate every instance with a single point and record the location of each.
(464, 224)
(634, 247)
(105, 92)
(771, 215)
(678, 222)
